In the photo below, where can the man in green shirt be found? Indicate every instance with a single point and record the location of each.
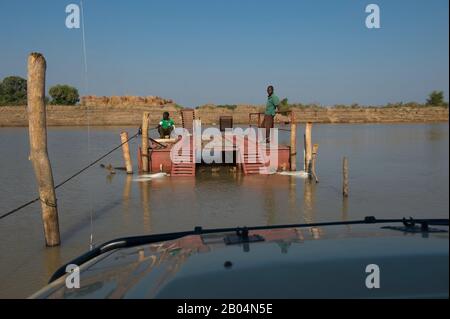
(166, 125)
(272, 104)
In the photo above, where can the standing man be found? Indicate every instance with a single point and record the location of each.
(272, 104)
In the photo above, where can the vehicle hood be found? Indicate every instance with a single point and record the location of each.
(327, 262)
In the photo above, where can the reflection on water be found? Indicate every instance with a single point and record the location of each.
(292, 196)
(145, 200)
(309, 198)
(126, 197)
(396, 171)
(309, 193)
(344, 209)
(435, 133)
(269, 202)
(52, 257)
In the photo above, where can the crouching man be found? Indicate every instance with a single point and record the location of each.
(166, 126)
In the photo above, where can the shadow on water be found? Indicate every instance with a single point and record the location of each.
(75, 229)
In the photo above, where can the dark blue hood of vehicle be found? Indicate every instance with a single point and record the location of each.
(328, 262)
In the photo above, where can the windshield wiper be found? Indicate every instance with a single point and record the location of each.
(149, 239)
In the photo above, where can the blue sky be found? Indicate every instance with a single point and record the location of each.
(228, 51)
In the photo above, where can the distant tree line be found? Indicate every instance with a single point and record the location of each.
(435, 98)
(13, 91)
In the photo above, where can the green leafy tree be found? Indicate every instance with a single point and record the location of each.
(13, 91)
(436, 98)
(64, 95)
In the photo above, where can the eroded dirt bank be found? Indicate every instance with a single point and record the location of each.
(113, 115)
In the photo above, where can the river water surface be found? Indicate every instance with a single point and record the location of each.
(396, 171)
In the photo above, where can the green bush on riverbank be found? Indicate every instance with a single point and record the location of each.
(13, 91)
(64, 95)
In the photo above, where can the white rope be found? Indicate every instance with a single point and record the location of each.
(84, 44)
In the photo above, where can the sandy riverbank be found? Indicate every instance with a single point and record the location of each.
(131, 116)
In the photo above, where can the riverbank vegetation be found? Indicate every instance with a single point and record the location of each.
(13, 92)
(64, 95)
(435, 99)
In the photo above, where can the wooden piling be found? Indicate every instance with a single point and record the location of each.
(293, 143)
(345, 177)
(145, 166)
(37, 127)
(308, 147)
(126, 152)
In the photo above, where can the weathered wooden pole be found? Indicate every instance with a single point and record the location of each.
(37, 127)
(145, 118)
(308, 147)
(126, 152)
(293, 143)
(345, 177)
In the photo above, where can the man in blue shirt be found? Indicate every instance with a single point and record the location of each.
(272, 104)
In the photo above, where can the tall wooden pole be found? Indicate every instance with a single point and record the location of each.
(293, 143)
(37, 127)
(145, 161)
(345, 177)
(126, 152)
(308, 147)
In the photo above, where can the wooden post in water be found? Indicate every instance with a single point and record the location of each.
(145, 161)
(345, 177)
(308, 147)
(293, 143)
(37, 127)
(126, 152)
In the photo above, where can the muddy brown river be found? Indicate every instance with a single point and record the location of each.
(397, 170)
